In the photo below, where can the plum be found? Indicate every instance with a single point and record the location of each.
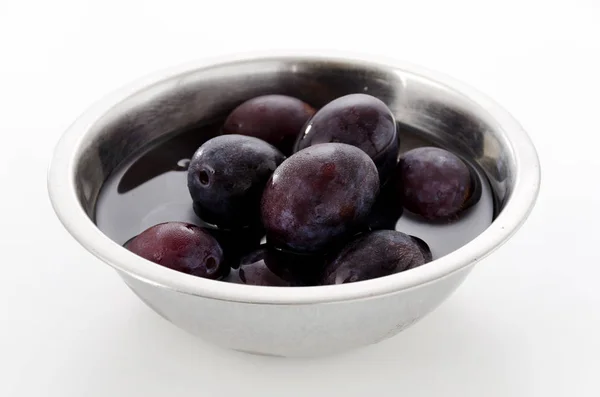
(236, 243)
(360, 120)
(318, 196)
(276, 119)
(374, 254)
(181, 246)
(436, 183)
(226, 177)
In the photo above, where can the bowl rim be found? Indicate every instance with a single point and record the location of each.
(63, 196)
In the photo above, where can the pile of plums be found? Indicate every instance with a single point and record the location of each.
(325, 187)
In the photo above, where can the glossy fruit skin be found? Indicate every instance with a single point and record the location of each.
(436, 183)
(424, 247)
(269, 266)
(181, 246)
(359, 120)
(258, 273)
(226, 177)
(276, 119)
(297, 269)
(318, 196)
(372, 255)
(253, 270)
(387, 209)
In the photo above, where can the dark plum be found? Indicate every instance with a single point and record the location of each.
(270, 266)
(436, 183)
(387, 209)
(253, 270)
(183, 247)
(424, 247)
(359, 120)
(372, 255)
(256, 272)
(237, 243)
(226, 177)
(318, 196)
(259, 274)
(297, 269)
(276, 119)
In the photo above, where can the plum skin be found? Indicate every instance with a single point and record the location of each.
(424, 247)
(318, 196)
(181, 246)
(226, 177)
(359, 120)
(276, 119)
(254, 270)
(258, 273)
(372, 255)
(436, 183)
(269, 266)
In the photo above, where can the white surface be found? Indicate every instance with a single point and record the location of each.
(525, 323)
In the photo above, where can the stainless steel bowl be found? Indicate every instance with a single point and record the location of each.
(291, 321)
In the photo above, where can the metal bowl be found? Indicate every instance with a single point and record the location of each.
(292, 321)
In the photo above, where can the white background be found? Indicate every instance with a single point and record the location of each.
(525, 323)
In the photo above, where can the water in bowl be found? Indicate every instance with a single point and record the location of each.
(151, 188)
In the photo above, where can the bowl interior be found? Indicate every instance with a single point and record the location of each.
(200, 96)
(158, 107)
